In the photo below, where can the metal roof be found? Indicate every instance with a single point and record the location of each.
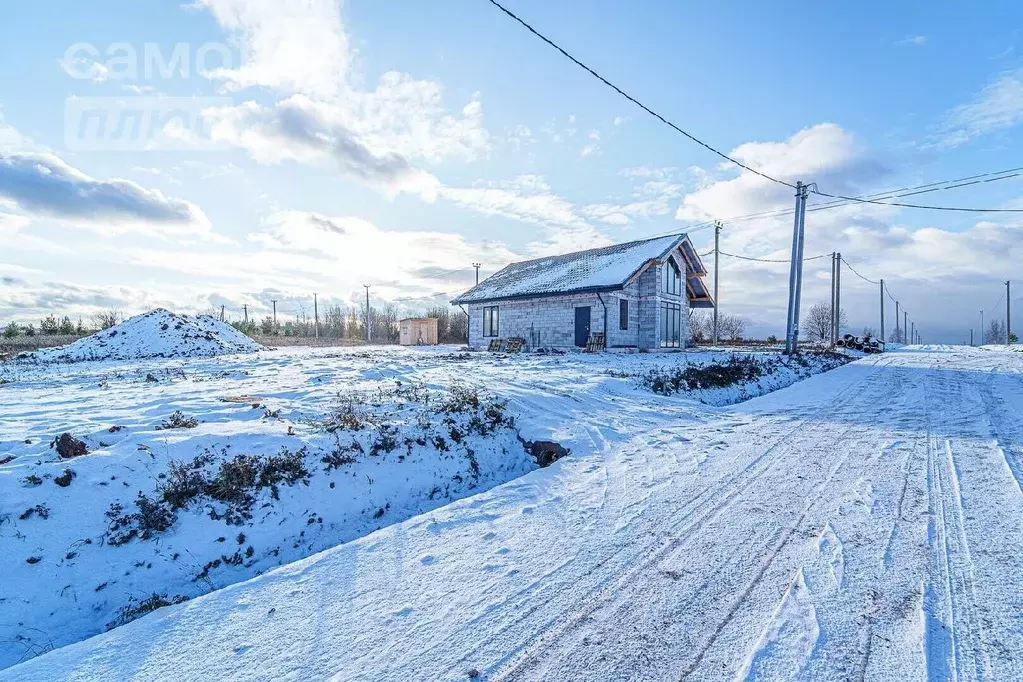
(608, 268)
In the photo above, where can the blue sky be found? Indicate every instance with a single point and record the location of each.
(394, 143)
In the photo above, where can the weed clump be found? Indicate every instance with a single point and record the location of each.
(136, 609)
(178, 420)
(341, 455)
(151, 518)
(737, 369)
(235, 482)
(349, 415)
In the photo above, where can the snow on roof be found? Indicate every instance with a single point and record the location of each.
(606, 268)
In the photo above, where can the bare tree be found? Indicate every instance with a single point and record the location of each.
(995, 333)
(106, 319)
(701, 325)
(731, 327)
(818, 322)
(869, 331)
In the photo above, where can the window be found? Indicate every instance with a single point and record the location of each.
(672, 278)
(491, 320)
(671, 325)
(623, 313)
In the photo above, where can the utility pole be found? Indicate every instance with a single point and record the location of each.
(971, 337)
(477, 266)
(898, 334)
(1008, 313)
(274, 301)
(368, 335)
(796, 271)
(316, 318)
(717, 269)
(912, 334)
(983, 334)
(836, 309)
(245, 307)
(832, 304)
(221, 313)
(882, 311)
(905, 325)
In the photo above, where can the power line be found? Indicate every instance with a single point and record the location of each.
(994, 307)
(771, 260)
(865, 279)
(959, 209)
(738, 163)
(632, 99)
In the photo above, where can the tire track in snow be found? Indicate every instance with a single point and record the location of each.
(955, 647)
(811, 430)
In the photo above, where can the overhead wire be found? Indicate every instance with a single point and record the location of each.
(635, 101)
(865, 279)
(731, 159)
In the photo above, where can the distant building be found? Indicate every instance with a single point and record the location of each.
(636, 294)
(418, 331)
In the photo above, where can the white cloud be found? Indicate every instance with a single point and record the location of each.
(912, 41)
(824, 153)
(303, 130)
(374, 136)
(620, 120)
(288, 46)
(42, 184)
(997, 107)
(527, 198)
(653, 196)
(10, 222)
(84, 68)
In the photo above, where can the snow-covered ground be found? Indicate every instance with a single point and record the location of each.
(862, 524)
(204, 472)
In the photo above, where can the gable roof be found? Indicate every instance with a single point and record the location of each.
(608, 268)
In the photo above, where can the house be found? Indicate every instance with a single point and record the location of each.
(418, 331)
(637, 294)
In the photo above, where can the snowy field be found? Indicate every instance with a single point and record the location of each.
(863, 524)
(202, 472)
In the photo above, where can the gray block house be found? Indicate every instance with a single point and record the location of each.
(638, 294)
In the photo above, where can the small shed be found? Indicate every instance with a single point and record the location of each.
(418, 331)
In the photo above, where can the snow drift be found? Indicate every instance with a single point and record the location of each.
(156, 334)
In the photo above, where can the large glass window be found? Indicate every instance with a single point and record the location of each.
(623, 313)
(671, 325)
(672, 278)
(491, 320)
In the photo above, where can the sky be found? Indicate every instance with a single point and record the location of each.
(234, 152)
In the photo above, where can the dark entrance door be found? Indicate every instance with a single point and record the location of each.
(582, 326)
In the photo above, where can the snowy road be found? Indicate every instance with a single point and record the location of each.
(863, 524)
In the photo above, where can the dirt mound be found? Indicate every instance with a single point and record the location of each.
(156, 334)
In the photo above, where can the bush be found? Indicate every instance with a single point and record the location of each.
(151, 519)
(178, 420)
(12, 331)
(737, 369)
(235, 482)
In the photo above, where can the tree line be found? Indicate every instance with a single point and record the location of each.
(63, 326)
(349, 323)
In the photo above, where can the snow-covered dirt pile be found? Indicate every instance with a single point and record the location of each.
(203, 472)
(156, 334)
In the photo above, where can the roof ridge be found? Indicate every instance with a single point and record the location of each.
(596, 248)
